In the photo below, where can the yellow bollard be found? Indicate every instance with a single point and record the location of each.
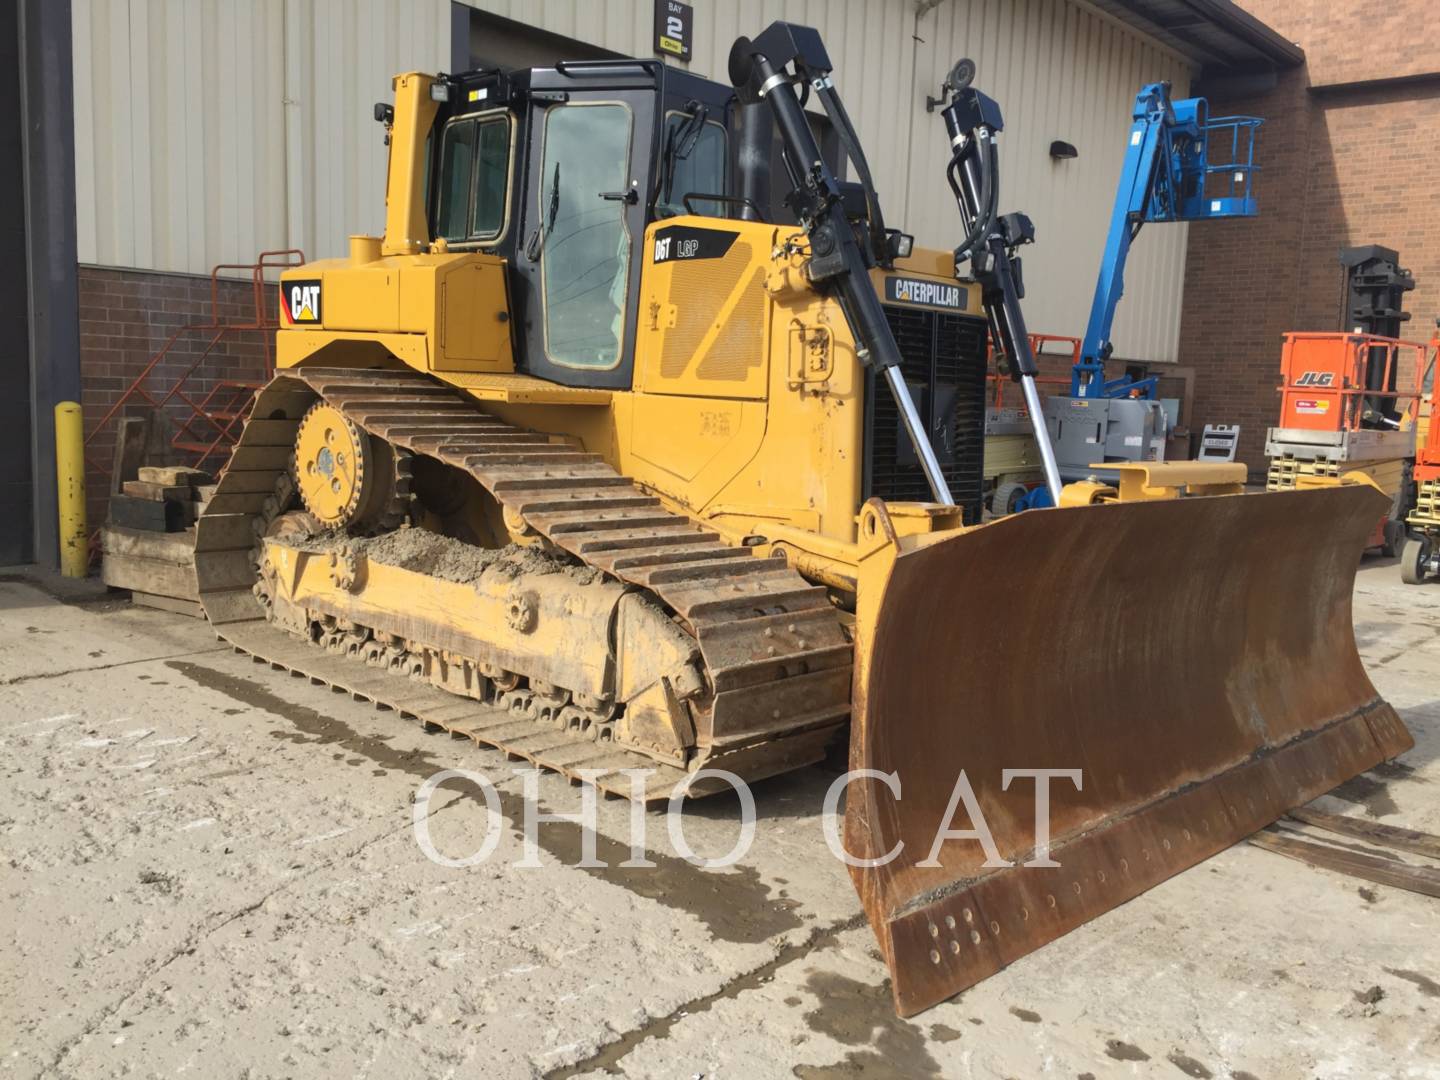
(70, 485)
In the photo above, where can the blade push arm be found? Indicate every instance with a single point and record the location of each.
(838, 263)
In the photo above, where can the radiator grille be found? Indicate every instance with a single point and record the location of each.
(943, 360)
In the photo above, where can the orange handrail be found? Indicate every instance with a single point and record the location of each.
(1037, 346)
(221, 411)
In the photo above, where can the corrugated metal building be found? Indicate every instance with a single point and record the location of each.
(208, 130)
(204, 131)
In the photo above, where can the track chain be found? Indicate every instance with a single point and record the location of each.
(776, 657)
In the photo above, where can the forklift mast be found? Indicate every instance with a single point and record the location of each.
(1170, 174)
(1374, 295)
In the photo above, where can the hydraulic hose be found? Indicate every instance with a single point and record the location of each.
(984, 219)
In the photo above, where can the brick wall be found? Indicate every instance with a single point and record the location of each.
(1342, 164)
(1349, 43)
(126, 316)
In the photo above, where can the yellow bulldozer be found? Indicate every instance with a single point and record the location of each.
(639, 458)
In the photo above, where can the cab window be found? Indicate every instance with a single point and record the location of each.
(585, 253)
(474, 179)
(693, 163)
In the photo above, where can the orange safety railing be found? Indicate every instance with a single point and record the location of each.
(1323, 378)
(1071, 353)
(207, 425)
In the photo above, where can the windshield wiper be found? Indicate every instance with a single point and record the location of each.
(678, 144)
(554, 200)
(536, 243)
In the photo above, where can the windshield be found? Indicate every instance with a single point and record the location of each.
(584, 268)
(694, 163)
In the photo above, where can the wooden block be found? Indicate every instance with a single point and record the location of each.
(166, 515)
(204, 492)
(158, 437)
(169, 603)
(131, 435)
(154, 577)
(155, 491)
(175, 475)
(172, 547)
(155, 564)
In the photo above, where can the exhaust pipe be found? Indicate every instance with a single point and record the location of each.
(750, 167)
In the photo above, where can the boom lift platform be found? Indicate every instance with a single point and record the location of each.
(1170, 174)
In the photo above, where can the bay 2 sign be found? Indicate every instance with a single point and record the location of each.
(674, 23)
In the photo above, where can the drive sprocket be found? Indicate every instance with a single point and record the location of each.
(347, 478)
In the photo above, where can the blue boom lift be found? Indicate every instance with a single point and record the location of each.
(1170, 174)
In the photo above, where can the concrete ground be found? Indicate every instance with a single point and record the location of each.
(210, 869)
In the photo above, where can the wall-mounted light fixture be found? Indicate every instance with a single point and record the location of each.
(962, 72)
(1063, 151)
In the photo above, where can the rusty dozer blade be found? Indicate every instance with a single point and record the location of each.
(1194, 658)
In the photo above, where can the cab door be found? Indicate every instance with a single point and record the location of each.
(588, 175)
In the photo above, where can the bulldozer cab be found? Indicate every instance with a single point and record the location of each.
(559, 171)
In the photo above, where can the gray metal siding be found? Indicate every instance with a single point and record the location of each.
(207, 130)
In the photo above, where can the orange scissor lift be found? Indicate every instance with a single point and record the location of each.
(1337, 418)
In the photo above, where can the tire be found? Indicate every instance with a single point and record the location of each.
(1413, 560)
(1002, 503)
(1394, 532)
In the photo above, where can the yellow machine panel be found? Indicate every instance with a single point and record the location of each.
(365, 297)
(455, 305)
(746, 407)
(473, 317)
(682, 436)
(705, 315)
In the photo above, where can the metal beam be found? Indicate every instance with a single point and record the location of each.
(47, 107)
(1237, 21)
(1248, 37)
